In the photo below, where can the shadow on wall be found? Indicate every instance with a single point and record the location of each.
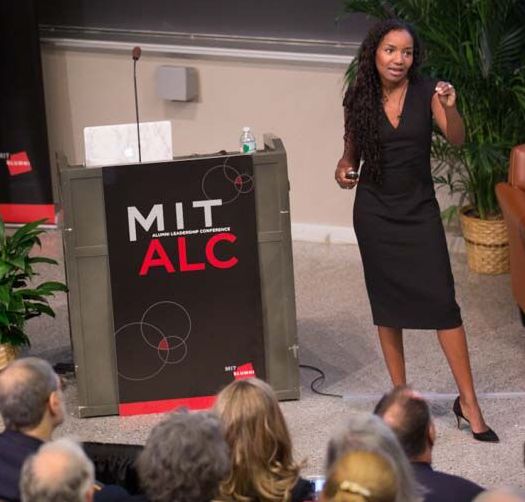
(58, 109)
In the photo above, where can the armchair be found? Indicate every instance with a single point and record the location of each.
(511, 198)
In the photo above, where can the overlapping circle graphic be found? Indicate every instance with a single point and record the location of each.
(159, 339)
(225, 182)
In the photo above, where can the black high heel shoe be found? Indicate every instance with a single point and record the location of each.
(488, 436)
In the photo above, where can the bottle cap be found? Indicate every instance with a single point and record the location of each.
(246, 129)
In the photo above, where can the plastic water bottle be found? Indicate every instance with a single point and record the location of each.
(247, 141)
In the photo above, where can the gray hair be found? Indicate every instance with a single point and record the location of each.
(184, 459)
(506, 494)
(365, 431)
(59, 472)
(25, 387)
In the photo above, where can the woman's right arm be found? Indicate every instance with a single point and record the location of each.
(346, 163)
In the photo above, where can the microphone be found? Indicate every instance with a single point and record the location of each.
(135, 54)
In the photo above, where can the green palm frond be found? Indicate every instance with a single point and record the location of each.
(379, 9)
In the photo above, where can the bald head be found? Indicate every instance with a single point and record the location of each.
(25, 388)
(59, 472)
(501, 495)
(408, 415)
(394, 414)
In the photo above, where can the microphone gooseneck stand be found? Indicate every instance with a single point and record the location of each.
(135, 59)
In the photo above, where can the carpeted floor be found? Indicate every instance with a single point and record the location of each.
(336, 335)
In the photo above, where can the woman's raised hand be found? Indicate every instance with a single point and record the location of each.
(446, 94)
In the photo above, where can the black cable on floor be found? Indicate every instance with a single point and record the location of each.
(321, 378)
(64, 368)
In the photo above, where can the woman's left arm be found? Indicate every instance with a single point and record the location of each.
(446, 114)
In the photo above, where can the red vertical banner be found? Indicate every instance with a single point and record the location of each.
(25, 178)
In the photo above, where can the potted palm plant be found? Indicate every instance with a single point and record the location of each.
(19, 299)
(479, 46)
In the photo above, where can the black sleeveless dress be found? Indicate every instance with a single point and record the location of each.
(399, 229)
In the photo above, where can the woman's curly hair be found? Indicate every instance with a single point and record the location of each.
(363, 98)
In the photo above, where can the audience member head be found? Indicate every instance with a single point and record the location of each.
(408, 415)
(261, 449)
(368, 432)
(59, 472)
(501, 495)
(361, 476)
(184, 459)
(31, 400)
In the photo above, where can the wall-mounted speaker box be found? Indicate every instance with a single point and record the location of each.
(176, 83)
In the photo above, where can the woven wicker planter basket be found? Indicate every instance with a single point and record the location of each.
(487, 244)
(7, 354)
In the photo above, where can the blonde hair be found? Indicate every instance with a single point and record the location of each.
(361, 476)
(262, 463)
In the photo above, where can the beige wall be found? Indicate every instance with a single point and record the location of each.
(301, 103)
